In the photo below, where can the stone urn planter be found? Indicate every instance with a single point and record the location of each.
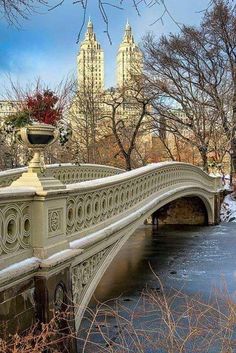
(37, 137)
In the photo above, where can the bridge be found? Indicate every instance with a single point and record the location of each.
(55, 245)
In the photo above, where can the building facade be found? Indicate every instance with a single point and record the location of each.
(129, 59)
(90, 62)
(91, 110)
(7, 107)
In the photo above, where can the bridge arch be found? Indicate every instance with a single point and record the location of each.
(106, 250)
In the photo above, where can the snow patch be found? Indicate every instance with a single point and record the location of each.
(14, 171)
(228, 209)
(20, 268)
(17, 191)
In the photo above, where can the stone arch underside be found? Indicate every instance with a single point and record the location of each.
(89, 269)
(188, 210)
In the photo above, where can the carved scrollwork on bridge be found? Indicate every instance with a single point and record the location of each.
(82, 173)
(86, 209)
(15, 225)
(54, 221)
(83, 273)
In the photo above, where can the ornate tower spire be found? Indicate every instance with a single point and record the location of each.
(90, 26)
(128, 37)
(90, 35)
(90, 61)
(129, 57)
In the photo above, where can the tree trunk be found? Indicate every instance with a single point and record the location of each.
(233, 139)
(204, 161)
(128, 162)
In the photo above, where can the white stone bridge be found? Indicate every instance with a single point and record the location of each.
(56, 244)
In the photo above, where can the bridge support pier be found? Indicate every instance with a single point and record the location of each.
(53, 295)
(218, 198)
(155, 219)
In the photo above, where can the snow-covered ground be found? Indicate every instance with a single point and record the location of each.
(226, 182)
(228, 208)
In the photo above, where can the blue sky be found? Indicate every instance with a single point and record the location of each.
(45, 45)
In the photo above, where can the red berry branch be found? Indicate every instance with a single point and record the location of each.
(42, 107)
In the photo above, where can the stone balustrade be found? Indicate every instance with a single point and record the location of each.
(67, 173)
(34, 224)
(91, 204)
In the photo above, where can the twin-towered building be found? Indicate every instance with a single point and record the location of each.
(90, 65)
(90, 60)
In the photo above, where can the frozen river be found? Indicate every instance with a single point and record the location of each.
(192, 258)
(196, 260)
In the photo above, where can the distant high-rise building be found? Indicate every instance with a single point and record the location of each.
(129, 58)
(7, 108)
(90, 62)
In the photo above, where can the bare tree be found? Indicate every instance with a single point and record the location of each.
(12, 154)
(127, 117)
(219, 23)
(85, 117)
(13, 10)
(194, 78)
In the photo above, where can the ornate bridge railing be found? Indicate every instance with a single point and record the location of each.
(67, 173)
(41, 224)
(91, 204)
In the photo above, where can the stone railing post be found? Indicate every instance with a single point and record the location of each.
(49, 204)
(49, 224)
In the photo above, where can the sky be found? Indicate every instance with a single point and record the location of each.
(44, 46)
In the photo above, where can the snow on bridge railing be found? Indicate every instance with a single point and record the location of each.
(91, 204)
(67, 173)
(40, 225)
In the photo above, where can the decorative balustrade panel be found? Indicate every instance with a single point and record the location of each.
(85, 271)
(72, 174)
(15, 227)
(66, 173)
(92, 203)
